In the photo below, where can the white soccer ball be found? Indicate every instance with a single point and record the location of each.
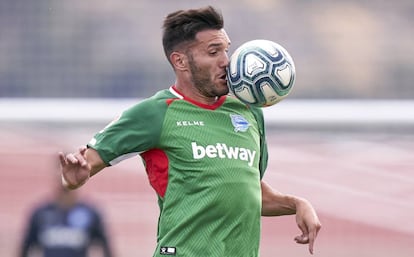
(261, 73)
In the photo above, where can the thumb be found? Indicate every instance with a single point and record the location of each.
(82, 149)
(302, 239)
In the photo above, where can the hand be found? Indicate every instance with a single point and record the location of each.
(308, 222)
(75, 168)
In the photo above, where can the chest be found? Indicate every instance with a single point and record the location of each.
(226, 134)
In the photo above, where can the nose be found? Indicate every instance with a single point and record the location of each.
(225, 60)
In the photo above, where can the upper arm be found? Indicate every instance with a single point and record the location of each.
(135, 131)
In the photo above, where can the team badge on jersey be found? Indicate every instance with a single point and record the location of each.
(239, 123)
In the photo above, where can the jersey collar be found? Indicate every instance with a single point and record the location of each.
(214, 106)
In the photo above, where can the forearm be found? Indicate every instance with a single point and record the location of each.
(277, 204)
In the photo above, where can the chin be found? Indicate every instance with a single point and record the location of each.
(222, 92)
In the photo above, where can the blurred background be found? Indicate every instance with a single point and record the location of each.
(343, 138)
(95, 48)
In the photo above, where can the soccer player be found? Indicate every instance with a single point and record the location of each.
(204, 152)
(64, 227)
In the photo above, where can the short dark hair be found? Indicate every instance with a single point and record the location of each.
(183, 25)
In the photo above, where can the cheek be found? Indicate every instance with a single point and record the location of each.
(202, 70)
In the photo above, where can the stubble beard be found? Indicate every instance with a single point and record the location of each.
(203, 83)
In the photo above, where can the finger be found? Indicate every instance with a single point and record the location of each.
(70, 158)
(305, 231)
(302, 239)
(301, 222)
(312, 237)
(62, 159)
(82, 149)
(81, 159)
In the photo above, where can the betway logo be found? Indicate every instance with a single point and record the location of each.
(222, 151)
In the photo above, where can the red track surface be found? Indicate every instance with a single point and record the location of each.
(361, 184)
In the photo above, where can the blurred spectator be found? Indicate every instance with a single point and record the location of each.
(65, 227)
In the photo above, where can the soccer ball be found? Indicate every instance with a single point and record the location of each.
(261, 73)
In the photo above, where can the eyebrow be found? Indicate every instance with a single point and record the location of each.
(215, 45)
(219, 44)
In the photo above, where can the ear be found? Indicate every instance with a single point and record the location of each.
(178, 60)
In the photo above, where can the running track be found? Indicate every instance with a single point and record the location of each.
(362, 185)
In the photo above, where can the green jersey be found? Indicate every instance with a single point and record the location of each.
(204, 162)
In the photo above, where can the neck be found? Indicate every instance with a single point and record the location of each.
(211, 105)
(195, 95)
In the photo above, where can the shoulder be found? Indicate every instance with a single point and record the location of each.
(160, 99)
(41, 210)
(44, 207)
(157, 103)
(87, 206)
(256, 111)
(85, 210)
